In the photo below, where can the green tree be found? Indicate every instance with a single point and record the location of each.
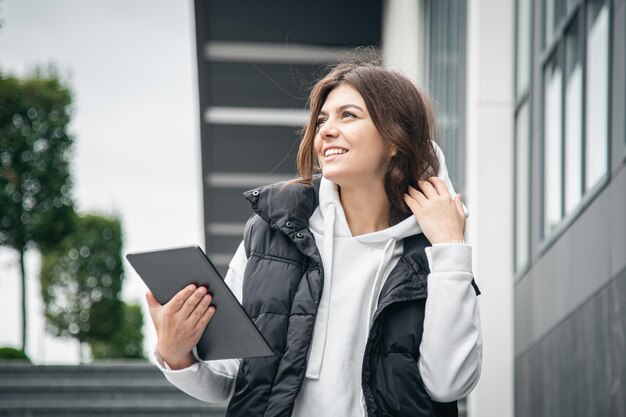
(127, 341)
(81, 283)
(36, 207)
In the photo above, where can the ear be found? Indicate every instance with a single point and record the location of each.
(394, 152)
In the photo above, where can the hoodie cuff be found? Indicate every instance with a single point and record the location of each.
(449, 257)
(165, 368)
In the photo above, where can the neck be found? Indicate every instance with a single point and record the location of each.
(366, 208)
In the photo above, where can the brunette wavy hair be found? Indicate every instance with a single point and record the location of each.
(401, 113)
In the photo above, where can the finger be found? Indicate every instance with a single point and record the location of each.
(206, 318)
(459, 204)
(417, 196)
(176, 303)
(440, 186)
(427, 189)
(191, 302)
(201, 308)
(412, 203)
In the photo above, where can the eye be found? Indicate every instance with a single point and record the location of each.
(348, 114)
(320, 121)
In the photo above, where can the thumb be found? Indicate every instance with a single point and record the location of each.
(152, 302)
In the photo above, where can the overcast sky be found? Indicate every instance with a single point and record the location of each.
(132, 68)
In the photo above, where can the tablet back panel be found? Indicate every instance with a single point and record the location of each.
(230, 333)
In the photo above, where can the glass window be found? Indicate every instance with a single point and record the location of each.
(552, 149)
(554, 12)
(573, 117)
(523, 45)
(596, 132)
(522, 177)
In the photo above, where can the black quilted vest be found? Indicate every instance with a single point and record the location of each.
(282, 288)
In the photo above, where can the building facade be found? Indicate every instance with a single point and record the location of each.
(256, 63)
(570, 199)
(530, 100)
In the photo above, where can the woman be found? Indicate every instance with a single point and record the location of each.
(334, 269)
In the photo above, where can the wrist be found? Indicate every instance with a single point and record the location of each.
(452, 241)
(449, 239)
(176, 363)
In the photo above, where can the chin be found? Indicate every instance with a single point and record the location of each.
(335, 177)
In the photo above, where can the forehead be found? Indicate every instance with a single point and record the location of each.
(341, 95)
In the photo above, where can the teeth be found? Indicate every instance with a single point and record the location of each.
(334, 151)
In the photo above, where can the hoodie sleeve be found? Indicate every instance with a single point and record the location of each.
(211, 381)
(451, 349)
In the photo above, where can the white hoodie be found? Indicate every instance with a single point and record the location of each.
(355, 269)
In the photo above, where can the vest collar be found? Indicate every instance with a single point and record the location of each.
(286, 209)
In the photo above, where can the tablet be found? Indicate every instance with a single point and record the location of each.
(230, 333)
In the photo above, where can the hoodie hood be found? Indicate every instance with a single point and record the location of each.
(330, 206)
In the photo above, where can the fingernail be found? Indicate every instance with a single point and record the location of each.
(191, 287)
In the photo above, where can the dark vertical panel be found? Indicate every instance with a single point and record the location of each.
(235, 83)
(578, 383)
(522, 387)
(602, 371)
(579, 368)
(617, 347)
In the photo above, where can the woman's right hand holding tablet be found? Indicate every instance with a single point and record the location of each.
(179, 324)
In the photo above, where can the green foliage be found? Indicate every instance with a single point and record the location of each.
(127, 341)
(35, 147)
(35, 185)
(81, 281)
(12, 353)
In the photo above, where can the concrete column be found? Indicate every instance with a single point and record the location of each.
(403, 37)
(490, 55)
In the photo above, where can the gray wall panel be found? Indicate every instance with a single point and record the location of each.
(224, 244)
(257, 149)
(578, 369)
(288, 21)
(618, 223)
(576, 266)
(228, 36)
(262, 85)
(236, 210)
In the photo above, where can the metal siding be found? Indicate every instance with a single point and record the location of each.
(253, 149)
(570, 319)
(261, 85)
(321, 22)
(228, 82)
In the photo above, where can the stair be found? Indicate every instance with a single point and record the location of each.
(117, 389)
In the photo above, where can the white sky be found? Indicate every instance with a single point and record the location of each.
(132, 67)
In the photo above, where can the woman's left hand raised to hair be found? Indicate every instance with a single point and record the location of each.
(440, 216)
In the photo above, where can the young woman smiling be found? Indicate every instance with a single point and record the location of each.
(356, 273)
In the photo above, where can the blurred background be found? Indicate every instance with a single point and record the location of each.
(128, 126)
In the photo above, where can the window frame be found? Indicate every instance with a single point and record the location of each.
(525, 98)
(588, 196)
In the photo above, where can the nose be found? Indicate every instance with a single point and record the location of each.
(328, 130)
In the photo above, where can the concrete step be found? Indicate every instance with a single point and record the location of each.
(133, 388)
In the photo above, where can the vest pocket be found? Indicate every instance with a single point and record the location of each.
(399, 389)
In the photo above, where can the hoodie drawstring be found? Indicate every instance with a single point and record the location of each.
(378, 280)
(323, 310)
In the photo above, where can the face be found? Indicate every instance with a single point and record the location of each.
(349, 148)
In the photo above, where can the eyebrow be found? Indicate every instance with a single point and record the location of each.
(342, 108)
